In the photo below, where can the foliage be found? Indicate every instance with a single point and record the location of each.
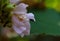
(5, 13)
(53, 4)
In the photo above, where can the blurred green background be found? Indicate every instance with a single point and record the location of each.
(47, 20)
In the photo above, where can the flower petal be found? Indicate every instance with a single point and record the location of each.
(30, 16)
(19, 30)
(14, 1)
(21, 8)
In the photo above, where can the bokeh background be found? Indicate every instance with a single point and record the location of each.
(47, 25)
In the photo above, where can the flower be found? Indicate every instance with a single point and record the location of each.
(20, 18)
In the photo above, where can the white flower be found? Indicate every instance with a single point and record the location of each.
(20, 8)
(20, 19)
(31, 16)
(14, 1)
